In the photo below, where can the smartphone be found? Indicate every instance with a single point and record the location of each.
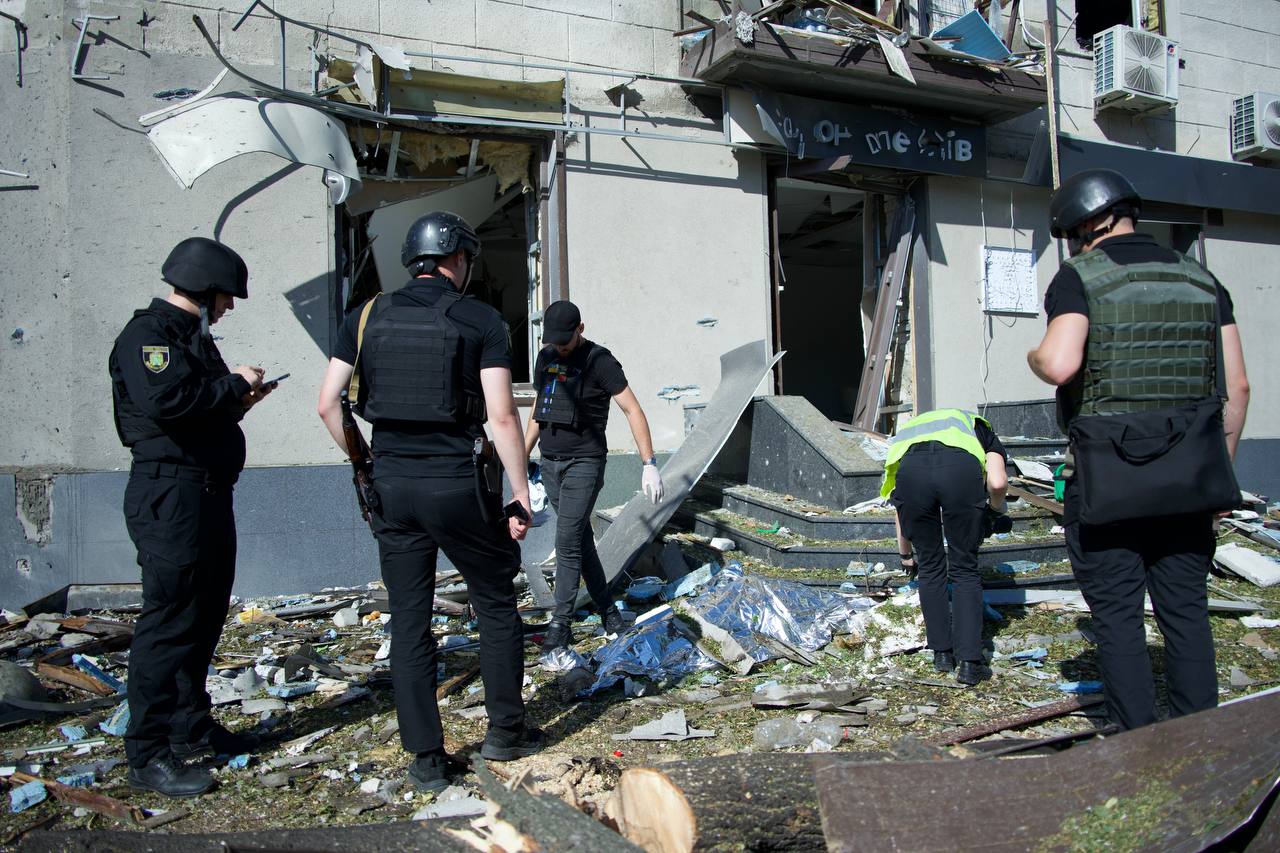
(515, 509)
(277, 380)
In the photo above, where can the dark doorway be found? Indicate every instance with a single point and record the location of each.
(819, 271)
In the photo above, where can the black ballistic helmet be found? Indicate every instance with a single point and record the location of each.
(1088, 194)
(199, 265)
(438, 235)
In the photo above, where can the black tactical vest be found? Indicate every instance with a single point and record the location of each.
(560, 395)
(411, 364)
(1153, 336)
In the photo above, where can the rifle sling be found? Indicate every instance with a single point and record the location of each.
(353, 388)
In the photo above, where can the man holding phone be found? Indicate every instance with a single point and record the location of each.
(428, 367)
(178, 409)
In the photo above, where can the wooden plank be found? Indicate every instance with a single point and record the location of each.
(871, 387)
(74, 678)
(1035, 500)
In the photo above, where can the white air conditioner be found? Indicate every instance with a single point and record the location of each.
(1255, 126)
(1134, 70)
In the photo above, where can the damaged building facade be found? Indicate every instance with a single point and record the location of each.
(696, 175)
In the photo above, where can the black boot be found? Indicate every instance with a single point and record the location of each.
(558, 636)
(219, 741)
(428, 772)
(613, 621)
(505, 745)
(972, 672)
(944, 661)
(169, 776)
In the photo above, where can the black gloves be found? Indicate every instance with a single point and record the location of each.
(994, 521)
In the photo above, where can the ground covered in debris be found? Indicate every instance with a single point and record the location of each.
(310, 672)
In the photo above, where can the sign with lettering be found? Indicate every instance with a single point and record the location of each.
(815, 130)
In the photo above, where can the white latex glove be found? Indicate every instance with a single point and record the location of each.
(651, 483)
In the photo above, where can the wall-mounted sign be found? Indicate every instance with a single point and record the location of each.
(815, 130)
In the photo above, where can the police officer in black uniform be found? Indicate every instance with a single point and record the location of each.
(178, 408)
(576, 378)
(1096, 211)
(433, 364)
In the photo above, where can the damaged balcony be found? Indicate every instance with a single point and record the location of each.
(859, 67)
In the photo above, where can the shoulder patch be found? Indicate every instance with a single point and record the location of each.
(155, 359)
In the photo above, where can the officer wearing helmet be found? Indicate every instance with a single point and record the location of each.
(178, 409)
(432, 366)
(1134, 327)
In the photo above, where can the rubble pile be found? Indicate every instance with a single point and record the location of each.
(732, 657)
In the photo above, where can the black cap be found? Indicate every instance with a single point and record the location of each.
(559, 322)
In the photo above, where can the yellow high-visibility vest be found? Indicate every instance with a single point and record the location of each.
(952, 427)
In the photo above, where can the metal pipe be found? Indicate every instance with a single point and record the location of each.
(14, 174)
(20, 41)
(75, 54)
(284, 60)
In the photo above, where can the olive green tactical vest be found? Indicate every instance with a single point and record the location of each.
(1153, 335)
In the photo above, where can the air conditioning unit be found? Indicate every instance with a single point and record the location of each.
(1134, 70)
(1255, 126)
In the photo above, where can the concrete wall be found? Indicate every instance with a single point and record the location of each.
(662, 235)
(976, 357)
(1244, 254)
(1228, 48)
(86, 239)
(86, 234)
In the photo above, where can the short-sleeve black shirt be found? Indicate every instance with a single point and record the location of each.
(1066, 292)
(602, 380)
(989, 440)
(417, 449)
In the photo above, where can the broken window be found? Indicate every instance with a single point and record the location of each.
(1094, 16)
(487, 181)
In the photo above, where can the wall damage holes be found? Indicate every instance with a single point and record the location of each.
(23, 567)
(35, 507)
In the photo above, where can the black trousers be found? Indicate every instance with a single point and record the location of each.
(1115, 566)
(940, 488)
(185, 532)
(573, 485)
(419, 517)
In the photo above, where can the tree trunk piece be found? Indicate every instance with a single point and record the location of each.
(739, 802)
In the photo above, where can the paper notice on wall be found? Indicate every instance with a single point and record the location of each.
(1009, 281)
(896, 58)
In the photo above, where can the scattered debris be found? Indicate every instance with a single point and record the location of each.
(1248, 564)
(671, 726)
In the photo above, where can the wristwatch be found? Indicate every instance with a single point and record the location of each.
(652, 460)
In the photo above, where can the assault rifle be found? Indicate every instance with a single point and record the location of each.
(361, 460)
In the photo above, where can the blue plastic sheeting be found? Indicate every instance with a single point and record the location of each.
(83, 779)
(976, 37)
(73, 733)
(118, 722)
(25, 796)
(88, 667)
(1030, 654)
(748, 607)
(1080, 687)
